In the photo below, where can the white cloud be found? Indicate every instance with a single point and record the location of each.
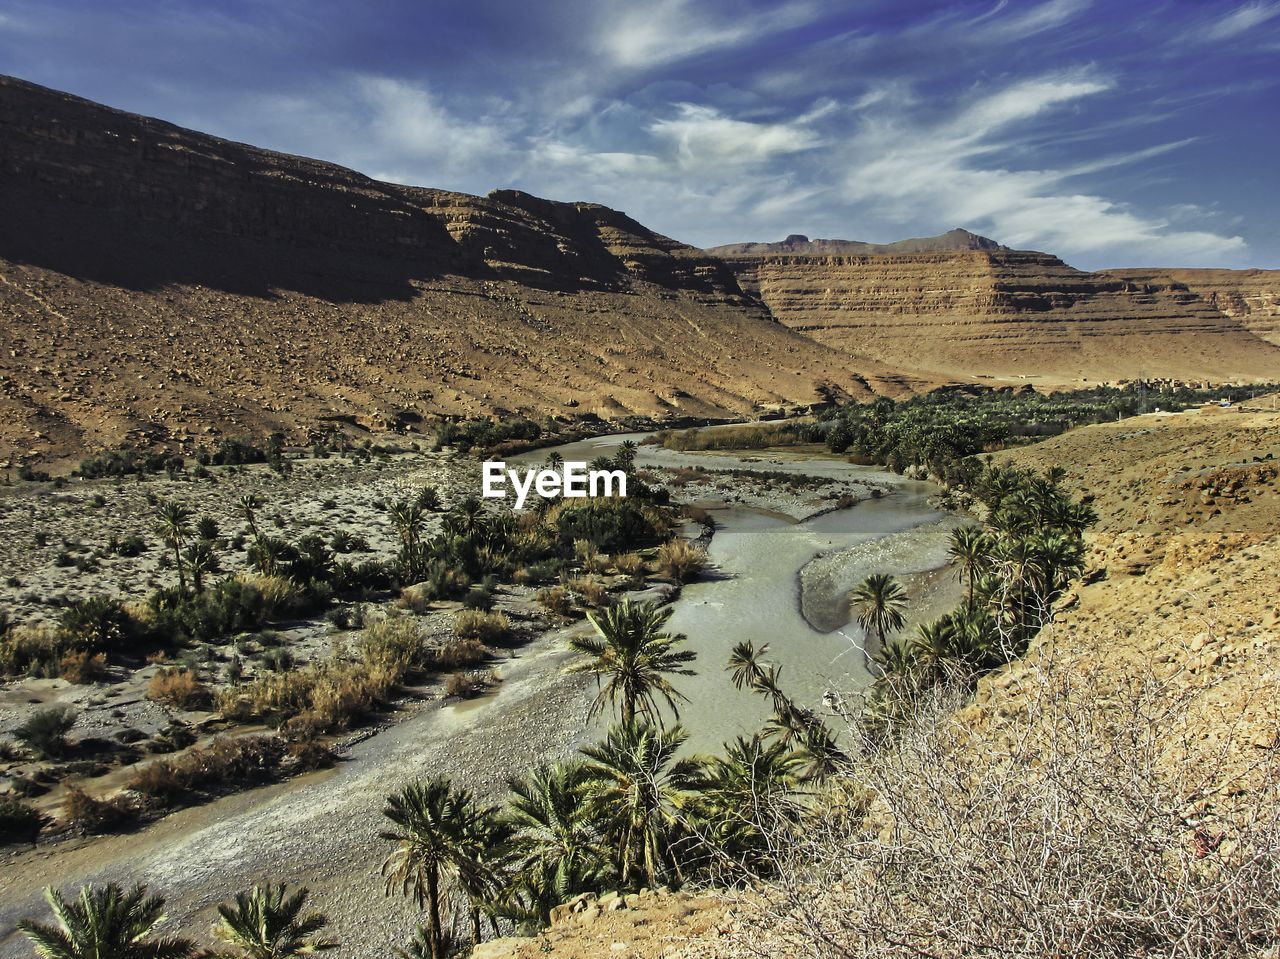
(664, 31)
(411, 124)
(958, 172)
(702, 136)
(1241, 20)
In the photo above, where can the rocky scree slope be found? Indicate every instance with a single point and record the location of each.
(158, 284)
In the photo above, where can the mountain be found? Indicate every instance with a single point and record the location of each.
(162, 285)
(799, 244)
(970, 309)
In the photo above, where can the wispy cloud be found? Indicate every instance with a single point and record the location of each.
(1241, 21)
(958, 171)
(700, 136)
(649, 34)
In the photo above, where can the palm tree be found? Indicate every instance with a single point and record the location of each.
(970, 548)
(880, 602)
(433, 845)
(636, 788)
(896, 659)
(264, 923)
(741, 794)
(556, 843)
(409, 519)
(201, 560)
(249, 505)
(631, 658)
(173, 528)
(933, 644)
(746, 666)
(267, 553)
(481, 873)
(105, 922)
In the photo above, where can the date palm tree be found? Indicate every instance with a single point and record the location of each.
(265, 923)
(631, 658)
(880, 603)
(201, 560)
(556, 843)
(174, 527)
(636, 788)
(434, 844)
(970, 549)
(105, 922)
(409, 520)
(741, 795)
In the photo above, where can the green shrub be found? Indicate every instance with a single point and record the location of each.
(19, 821)
(45, 731)
(98, 624)
(610, 525)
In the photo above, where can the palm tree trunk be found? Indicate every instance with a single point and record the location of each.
(177, 561)
(433, 914)
(475, 925)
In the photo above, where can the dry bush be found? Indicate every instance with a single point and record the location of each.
(468, 684)
(31, 648)
(459, 653)
(224, 763)
(679, 560)
(631, 565)
(279, 594)
(393, 642)
(481, 626)
(556, 600)
(416, 598)
(590, 558)
(91, 815)
(335, 694)
(1059, 822)
(178, 688)
(81, 668)
(588, 591)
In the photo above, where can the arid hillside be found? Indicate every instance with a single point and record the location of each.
(162, 285)
(962, 307)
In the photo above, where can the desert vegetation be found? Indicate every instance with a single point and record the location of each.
(938, 433)
(207, 648)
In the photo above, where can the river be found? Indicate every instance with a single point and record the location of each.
(774, 580)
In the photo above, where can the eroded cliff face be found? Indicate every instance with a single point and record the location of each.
(1005, 314)
(158, 284)
(1252, 296)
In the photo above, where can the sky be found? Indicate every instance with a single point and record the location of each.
(1110, 132)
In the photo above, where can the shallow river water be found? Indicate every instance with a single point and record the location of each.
(786, 583)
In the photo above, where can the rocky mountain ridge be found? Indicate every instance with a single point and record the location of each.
(159, 285)
(1007, 314)
(162, 286)
(799, 244)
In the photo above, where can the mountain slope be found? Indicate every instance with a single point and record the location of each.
(158, 284)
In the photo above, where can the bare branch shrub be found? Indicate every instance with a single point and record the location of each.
(1068, 818)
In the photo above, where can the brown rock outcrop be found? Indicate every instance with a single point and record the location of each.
(161, 284)
(1007, 314)
(1252, 296)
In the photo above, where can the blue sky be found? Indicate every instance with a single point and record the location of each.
(1111, 132)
